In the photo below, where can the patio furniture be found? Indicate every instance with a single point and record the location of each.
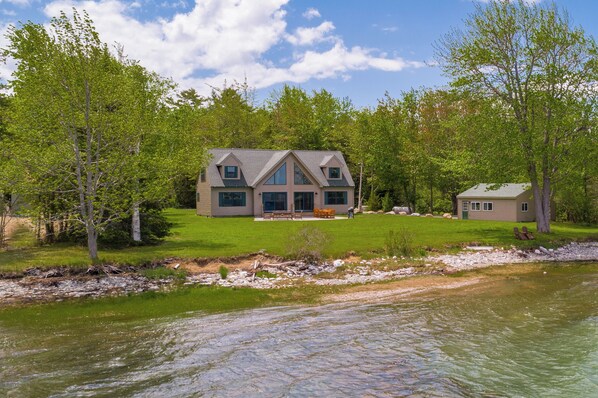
(528, 235)
(519, 235)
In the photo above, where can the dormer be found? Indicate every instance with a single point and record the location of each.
(229, 167)
(332, 167)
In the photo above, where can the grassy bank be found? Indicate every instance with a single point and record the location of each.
(194, 236)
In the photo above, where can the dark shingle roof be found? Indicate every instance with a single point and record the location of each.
(258, 163)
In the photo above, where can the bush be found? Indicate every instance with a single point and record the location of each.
(154, 228)
(399, 243)
(387, 203)
(307, 244)
(374, 203)
(223, 271)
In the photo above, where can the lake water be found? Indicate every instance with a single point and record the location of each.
(528, 336)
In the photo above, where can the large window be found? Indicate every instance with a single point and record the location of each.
(304, 201)
(487, 206)
(524, 207)
(273, 201)
(231, 172)
(300, 177)
(278, 178)
(232, 199)
(334, 173)
(475, 206)
(335, 198)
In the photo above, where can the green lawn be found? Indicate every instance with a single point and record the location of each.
(194, 236)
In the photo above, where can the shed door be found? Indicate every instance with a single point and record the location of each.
(465, 211)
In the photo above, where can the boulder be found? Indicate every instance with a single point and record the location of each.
(399, 209)
(402, 213)
(447, 216)
(429, 215)
(415, 214)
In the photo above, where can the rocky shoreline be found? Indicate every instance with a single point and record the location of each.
(53, 285)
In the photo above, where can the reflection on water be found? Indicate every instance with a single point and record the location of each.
(526, 336)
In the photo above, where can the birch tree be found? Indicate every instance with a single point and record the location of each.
(70, 115)
(541, 71)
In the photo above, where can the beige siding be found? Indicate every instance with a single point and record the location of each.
(530, 214)
(204, 205)
(502, 209)
(246, 210)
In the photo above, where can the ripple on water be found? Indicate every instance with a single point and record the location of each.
(524, 337)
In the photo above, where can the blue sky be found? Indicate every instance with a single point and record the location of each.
(354, 48)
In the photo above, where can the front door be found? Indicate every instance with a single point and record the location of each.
(465, 211)
(274, 201)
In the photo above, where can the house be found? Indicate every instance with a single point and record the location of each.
(251, 182)
(500, 202)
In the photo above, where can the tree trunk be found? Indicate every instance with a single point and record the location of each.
(136, 223)
(455, 203)
(542, 204)
(92, 243)
(359, 195)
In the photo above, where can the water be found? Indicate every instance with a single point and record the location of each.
(528, 336)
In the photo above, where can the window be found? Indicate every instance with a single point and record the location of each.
(487, 206)
(335, 198)
(524, 206)
(231, 172)
(232, 199)
(334, 173)
(278, 178)
(197, 197)
(202, 176)
(300, 177)
(274, 201)
(304, 201)
(475, 206)
(465, 206)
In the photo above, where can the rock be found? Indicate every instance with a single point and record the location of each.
(390, 212)
(401, 209)
(402, 213)
(338, 263)
(429, 215)
(415, 214)
(447, 216)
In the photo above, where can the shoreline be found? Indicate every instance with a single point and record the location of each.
(59, 284)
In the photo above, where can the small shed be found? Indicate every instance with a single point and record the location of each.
(499, 202)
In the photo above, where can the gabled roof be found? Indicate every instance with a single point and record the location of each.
(495, 191)
(258, 163)
(226, 156)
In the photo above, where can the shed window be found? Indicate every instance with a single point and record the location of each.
(232, 199)
(475, 206)
(524, 206)
(231, 172)
(487, 206)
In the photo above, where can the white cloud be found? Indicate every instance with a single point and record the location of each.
(311, 13)
(227, 40)
(308, 36)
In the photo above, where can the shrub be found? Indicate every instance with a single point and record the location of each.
(399, 243)
(387, 203)
(307, 244)
(374, 202)
(223, 271)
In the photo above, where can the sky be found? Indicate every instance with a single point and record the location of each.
(357, 49)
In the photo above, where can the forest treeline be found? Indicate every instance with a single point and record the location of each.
(94, 145)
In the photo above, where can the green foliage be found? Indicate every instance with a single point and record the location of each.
(307, 244)
(223, 271)
(265, 274)
(154, 228)
(399, 243)
(387, 203)
(164, 273)
(374, 202)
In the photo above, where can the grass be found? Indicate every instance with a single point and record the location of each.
(194, 236)
(148, 305)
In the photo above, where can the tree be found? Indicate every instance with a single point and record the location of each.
(540, 71)
(70, 114)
